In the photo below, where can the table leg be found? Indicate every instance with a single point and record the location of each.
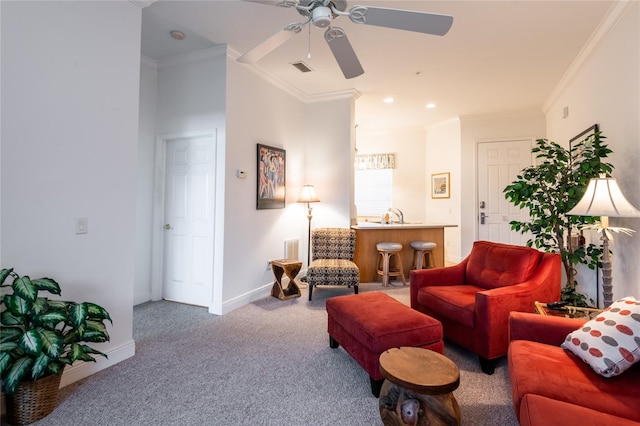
(400, 406)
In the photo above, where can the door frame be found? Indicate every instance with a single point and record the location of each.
(158, 219)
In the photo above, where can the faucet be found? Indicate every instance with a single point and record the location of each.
(397, 213)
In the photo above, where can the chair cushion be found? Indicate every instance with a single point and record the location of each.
(492, 265)
(455, 302)
(550, 371)
(423, 245)
(333, 272)
(537, 410)
(333, 243)
(388, 246)
(609, 343)
(380, 322)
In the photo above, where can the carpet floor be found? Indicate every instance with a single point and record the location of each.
(266, 363)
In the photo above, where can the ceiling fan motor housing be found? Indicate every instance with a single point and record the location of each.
(321, 16)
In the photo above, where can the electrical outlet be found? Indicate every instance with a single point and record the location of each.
(268, 265)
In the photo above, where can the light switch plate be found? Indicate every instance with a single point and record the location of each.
(82, 225)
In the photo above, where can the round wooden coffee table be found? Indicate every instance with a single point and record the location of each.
(418, 388)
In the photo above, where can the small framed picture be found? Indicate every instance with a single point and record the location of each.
(440, 185)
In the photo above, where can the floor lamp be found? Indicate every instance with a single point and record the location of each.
(308, 195)
(603, 198)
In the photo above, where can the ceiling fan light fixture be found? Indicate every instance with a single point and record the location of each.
(321, 16)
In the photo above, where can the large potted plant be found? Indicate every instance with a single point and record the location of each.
(549, 190)
(38, 338)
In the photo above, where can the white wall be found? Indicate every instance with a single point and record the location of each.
(258, 112)
(443, 155)
(409, 176)
(191, 99)
(329, 156)
(144, 204)
(70, 81)
(604, 87)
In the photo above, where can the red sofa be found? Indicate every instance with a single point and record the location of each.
(473, 299)
(551, 386)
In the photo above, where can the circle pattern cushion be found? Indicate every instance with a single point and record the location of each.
(609, 343)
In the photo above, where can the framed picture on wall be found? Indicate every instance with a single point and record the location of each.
(575, 150)
(271, 177)
(440, 185)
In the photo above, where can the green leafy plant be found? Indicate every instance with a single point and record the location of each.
(549, 190)
(40, 336)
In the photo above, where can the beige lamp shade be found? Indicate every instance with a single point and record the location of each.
(604, 198)
(308, 195)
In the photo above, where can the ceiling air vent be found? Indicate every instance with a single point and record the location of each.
(301, 66)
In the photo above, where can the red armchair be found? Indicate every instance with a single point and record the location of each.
(473, 299)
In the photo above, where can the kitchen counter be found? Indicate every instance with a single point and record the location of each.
(368, 234)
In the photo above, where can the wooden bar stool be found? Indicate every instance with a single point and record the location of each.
(423, 251)
(387, 251)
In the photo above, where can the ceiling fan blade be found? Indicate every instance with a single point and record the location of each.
(282, 3)
(343, 52)
(421, 22)
(270, 44)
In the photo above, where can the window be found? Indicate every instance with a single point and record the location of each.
(373, 190)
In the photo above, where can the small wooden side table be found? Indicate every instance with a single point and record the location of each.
(418, 388)
(291, 268)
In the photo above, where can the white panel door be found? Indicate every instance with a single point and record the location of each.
(498, 165)
(188, 242)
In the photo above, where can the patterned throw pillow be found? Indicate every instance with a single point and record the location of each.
(609, 343)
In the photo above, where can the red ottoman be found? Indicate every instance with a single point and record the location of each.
(368, 324)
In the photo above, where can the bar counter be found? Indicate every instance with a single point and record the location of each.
(368, 234)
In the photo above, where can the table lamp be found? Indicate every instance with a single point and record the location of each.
(308, 195)
(604, 198)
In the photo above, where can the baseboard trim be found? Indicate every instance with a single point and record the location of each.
(243, 299)
(81, 369)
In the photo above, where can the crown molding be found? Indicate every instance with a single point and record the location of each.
(151, 63)
(287, 87)
(142, 3)
(193, 57)
(608, 23)
(501, 115)
(332, 96)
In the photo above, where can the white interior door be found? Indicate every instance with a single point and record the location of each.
(498, 165)
(189, 224)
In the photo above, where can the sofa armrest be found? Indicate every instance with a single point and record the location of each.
(546, 329)
(448, 275)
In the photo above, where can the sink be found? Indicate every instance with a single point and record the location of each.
(382, 225)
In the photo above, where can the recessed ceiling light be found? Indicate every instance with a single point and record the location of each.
(431, 105)
(388, 100)
(177, 35)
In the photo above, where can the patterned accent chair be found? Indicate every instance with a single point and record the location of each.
(332, 251)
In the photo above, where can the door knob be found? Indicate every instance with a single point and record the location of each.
(482, 218)
(167, 226)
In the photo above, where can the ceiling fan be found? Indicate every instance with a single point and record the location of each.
(321, 12)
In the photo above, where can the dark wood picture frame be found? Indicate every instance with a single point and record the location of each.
(579, 138)
(271, 183)
(583, 135)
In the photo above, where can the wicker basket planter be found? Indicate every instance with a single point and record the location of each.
(33, 400)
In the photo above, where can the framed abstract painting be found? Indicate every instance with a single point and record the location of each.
(271, 177)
